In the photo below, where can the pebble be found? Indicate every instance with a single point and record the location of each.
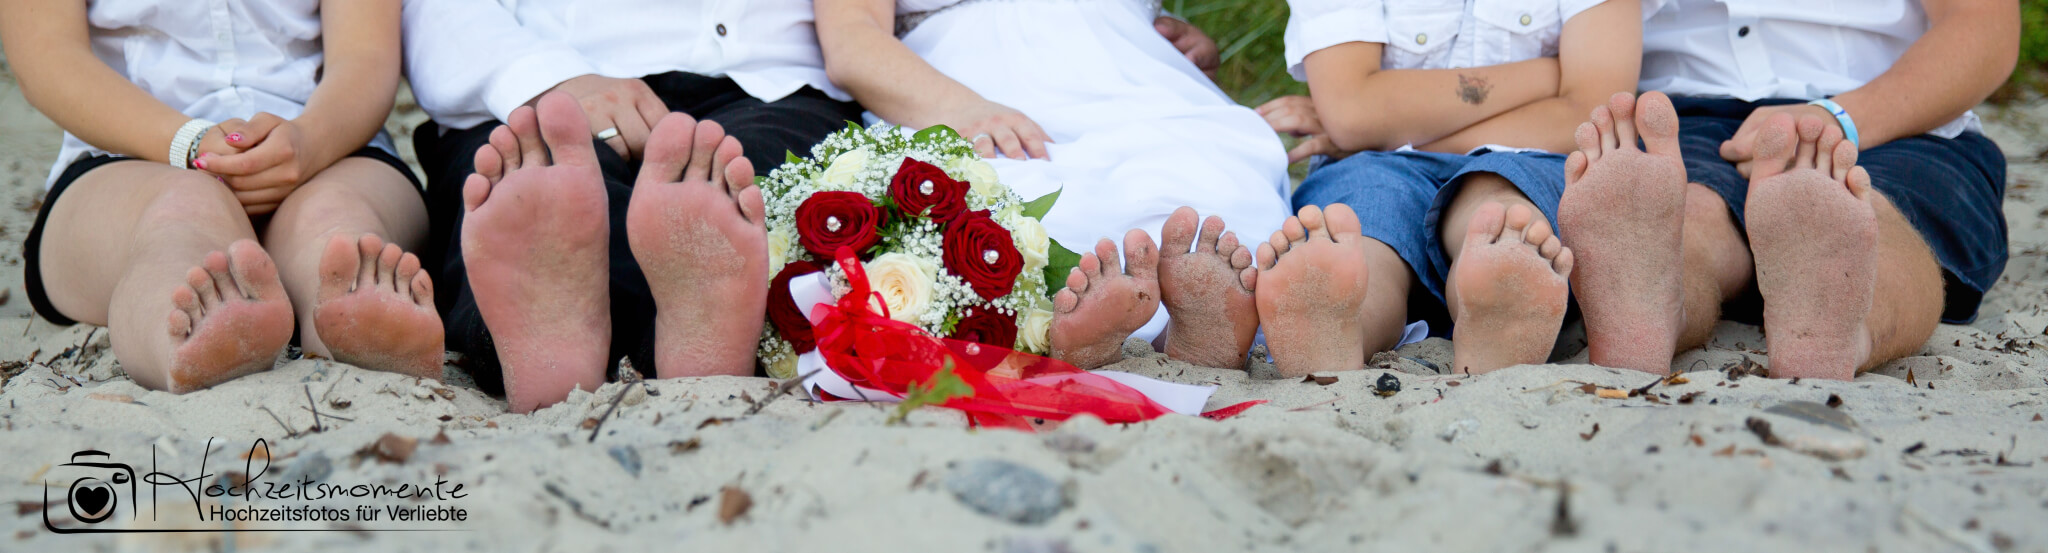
(635, 395)
(1815, 413)
(1007, 491)
(1460, 428)
(422, 392)
(627, 457)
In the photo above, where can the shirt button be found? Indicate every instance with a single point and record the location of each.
(1526, 20)
(1742, 32)
(1421, 39)
(721, 29)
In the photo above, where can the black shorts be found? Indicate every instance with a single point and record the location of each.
(39, 297)
(1952, 190)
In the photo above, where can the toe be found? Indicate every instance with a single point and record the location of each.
(1249, 278)
(1343, 222)
(1291, 231)
(1486, 224)
(1065, 301)
(1267, 255)
(1575, 167)
(187, 301)
(1105, 254)
(1591, 142)
(180, 325)
(703, 150)
(1622, 107)
(475, 189)
(387, 266)
(408, 270)
(1548, 247)
(1657, 122)
(1563, 262)
(1179, 232)
(1530, 224)
(668, 149)
(1091, 264)
(1603, 124)
(1212, 231)
(1776, 143)
(1141, 256)
(502, 156)
(423, 290)
(367, 250)
(1858, 182)
(1844, 154)
(217, 268)
(752, 205)
(255, 274)
(1279, 243)
(1229, 249)
(525, 125)
(1077, 279)
(567, 130)
(1313, 224)
(722, 163)
(338, 265)
(1810, 129)
(201, 283)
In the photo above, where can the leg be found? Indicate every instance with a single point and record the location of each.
(1622, 215)
(1104, 303)
(1507, 287)
(1314, 277)
(167, 260)
(360, 300)
(1717, 264)
(1908, 301)
(534, 241)
(697, 226)
(1207, 291)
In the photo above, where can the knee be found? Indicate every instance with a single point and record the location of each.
(193, 196)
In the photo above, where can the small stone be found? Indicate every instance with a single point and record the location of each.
(1387, 385)
(635, 395)
(1458, 429)
(1007, 491)
(1815, 413)
(627, 457)
(422, 392)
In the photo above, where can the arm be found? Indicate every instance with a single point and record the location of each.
(1599, 53)
(863, 56)
(1191, 42)
(1366, 108)
(359, 82)
(48, 45)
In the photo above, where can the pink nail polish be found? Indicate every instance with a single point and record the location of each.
(200, 163)
(234, 137)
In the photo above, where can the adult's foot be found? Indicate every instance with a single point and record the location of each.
(1105, 302)
(1623, 214)
(232, 319)
(1312, 281)
(1813, 230)
(375, 308)
(1208, 292)
(697, 226)
(1507, 290)
(534, 239)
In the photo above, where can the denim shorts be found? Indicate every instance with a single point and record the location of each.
(1400, 196)
(1952, 190)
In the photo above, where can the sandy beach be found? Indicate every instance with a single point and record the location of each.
(1943, 451)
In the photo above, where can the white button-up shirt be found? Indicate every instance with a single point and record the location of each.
(1755, 49)
(1431, 34)
(473, 61)
(211, 59)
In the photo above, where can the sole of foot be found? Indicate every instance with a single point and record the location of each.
(697, 227)
(1312, 283)
(1208, 291)
(375, 308)
(535, 239)
(1813, 230)
(1105, 301)
(1623, 215)
(1507, 290)
(232, 318)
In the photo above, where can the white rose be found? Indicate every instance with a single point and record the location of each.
(1031, 241)
(981, 177)
(784, 368)
(778, 250)
(905, 283)
(1032, 324)
(839, 175)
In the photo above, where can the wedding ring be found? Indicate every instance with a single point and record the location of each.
(608, 134)
(978, 137)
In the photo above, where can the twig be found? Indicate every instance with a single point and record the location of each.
(782, 389)
(595, 428)
(334, 416)
(330, 385)
(316, 407)
(1950, 534)
(288, 432)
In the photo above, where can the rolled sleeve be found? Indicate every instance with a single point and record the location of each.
(470, 61)
(1567, 9)
(522, 79)
(1317, 24)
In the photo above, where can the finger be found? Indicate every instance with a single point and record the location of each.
(651, 111)
(985, 145)
(1744, 167)
(260, 209)
(262, 196)
(256, 160)
(1306, 149)
(633, 133)
(231, 131)
(1034, 141)
(1007, 141)
(259, 128)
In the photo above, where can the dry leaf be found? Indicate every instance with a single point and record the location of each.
(684, 446)
(390, 448)
(1319, 380)
(440, 438)
(115, 398)
(1697, 441)
(733, 503)
(1589, 388)
(1909, 378)
(1726, 451)
(1588, 436)
(1612, 393)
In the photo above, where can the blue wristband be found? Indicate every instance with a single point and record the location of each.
(1842, 116)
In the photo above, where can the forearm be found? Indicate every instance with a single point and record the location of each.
(1967, 53)
(865, 58)
(1545, 124)
(1389, 109)
(358, 83)
(46, 43)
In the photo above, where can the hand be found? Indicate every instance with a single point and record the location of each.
(270, 163)
(1741, 149)
(625, 104)
(996, 130)
(1296, 116)
(1191, 42)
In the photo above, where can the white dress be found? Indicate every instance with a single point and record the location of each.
(1137, 130)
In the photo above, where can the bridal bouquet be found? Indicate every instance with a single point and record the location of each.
(946, 247)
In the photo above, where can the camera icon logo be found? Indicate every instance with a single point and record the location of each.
(95, 491)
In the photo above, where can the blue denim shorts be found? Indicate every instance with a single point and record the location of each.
(1400, 197)
(1951, 190)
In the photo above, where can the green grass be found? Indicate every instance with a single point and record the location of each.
(2032, 73)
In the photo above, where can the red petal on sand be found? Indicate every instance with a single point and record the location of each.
(1231, 411)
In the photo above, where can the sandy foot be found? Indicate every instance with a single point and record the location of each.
(1814, 234)
(1312, 280)
(534, 240)
(1207, 291)
(232, 319)
(376, 308)
(697, 226)
(1104, 302)
(1507, 290)
(1623, 213)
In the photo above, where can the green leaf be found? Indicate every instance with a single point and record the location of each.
(943, 386)
(934, 131)
(1058, 262)
(1037, 209)
(790, 157)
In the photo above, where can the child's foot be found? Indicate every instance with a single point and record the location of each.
(1507, 290)
(1312, 281)
(697, 226)
(1103, 303)
(535, 241)
(1207, 292)
(1814, 233)
(1623, 213)
(376, 308)
(232, 319)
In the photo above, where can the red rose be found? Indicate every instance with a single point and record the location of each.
(829, 220)
(987, 326)
(918, 186)
(783, 312)
(980, 251)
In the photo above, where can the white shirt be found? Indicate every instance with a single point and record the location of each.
(210, 59)
(473, 61)
(1431, 34)
(1755, 49)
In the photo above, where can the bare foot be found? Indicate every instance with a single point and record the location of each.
(697, 227)
(1507, 290)
(535, 242)
(1623, 213)
(1814, 233)
(1207, 292)
(1312, 280)
(232, 319)
(1103, 303)
(376, 308)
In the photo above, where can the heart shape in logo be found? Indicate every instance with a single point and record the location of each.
(92, 500)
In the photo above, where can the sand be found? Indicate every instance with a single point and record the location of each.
(1942, 451)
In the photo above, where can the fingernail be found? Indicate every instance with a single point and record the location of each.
(200, 163)
(234, 137)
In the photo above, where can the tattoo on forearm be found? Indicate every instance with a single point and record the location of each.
(1473, 90)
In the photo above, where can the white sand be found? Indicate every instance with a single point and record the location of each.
(1319, 468)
